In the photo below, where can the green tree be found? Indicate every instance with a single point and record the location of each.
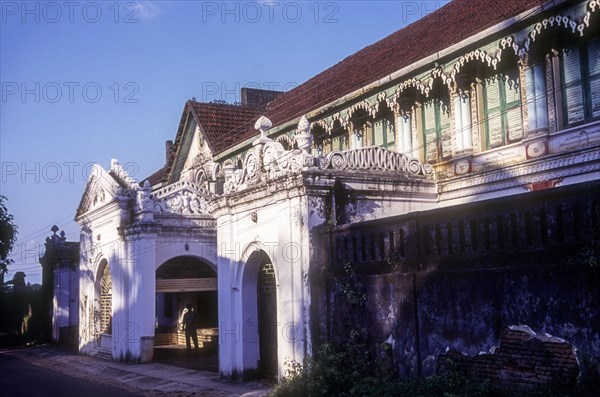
(8, 236)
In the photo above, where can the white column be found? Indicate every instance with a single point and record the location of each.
(530, 87)
(145, 281)
(458, 124)
(404, 135)
(541, 105)
(465, 110)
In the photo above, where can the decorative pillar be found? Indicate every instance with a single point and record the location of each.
(476, 115)
(537, 106)
(530, 95)
(465, 110)
(541, 108)
(405, 138)
(304, 141)
(263, 125)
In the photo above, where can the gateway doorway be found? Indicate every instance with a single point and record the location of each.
(181, 281)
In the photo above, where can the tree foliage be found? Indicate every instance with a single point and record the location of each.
(8, 236)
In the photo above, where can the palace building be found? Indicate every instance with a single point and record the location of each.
(454, 165)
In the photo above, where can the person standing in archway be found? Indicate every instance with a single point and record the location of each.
(189, 326)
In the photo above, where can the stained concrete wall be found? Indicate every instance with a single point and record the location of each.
(429, 298)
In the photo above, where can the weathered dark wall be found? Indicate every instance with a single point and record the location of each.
(467, 310)
(455, 278)
(525, 360)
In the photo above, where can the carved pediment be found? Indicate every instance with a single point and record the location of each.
(100, 190)
(182, 197)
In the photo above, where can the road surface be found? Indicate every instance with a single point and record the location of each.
(19, 378)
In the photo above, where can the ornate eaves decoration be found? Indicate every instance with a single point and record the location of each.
(490, 57)
(121, 176)
(270, 161)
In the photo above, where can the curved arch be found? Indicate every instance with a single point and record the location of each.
(384, 106)
(547, 35)
(417, 85)
(285, 141)
(359, 117)
(480, 58)
(187, 267)
(320, 124)
(559, 31)
(200, 178)
(259, 352)
(245, 261)
(185, 254)
(103, 288)
(320, 135)
(362, 105)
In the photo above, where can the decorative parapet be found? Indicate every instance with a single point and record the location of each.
(182, 197)
(272, 161)
(374, 159)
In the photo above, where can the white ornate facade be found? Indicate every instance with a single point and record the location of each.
(500, 112)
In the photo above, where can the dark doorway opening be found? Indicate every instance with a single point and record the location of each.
(267, 321)
(181, 281)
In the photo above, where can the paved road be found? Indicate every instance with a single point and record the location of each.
(18, 378)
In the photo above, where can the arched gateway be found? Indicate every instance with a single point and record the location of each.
(180, 281)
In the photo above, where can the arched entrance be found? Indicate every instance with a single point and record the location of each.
(103, 311)
(106, 301)
(267, 321)
(260, 328)
(181, 281)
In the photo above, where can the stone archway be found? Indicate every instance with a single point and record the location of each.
(259, 307)
(180, 281)
(106, 301)
(103, 312)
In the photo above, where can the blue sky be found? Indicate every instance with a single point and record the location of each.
(87, 81)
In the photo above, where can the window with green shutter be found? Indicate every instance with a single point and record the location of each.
(580, 72)
(339, 142)
(436, 131)
(383, 133)
(405, 133)
(502, 106)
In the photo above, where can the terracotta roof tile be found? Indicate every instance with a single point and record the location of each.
(438, 30)
(157, 177)
(227, 125)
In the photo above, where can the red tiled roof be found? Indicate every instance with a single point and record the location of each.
(224, 125)
(228, 125)
(440, 29)
(158, 176)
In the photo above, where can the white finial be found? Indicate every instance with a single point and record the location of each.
(303, 136)
(263, 125)
(303, 125)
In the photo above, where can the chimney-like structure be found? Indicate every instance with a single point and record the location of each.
(255, 97)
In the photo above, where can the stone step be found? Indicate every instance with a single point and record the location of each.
(103, 354)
